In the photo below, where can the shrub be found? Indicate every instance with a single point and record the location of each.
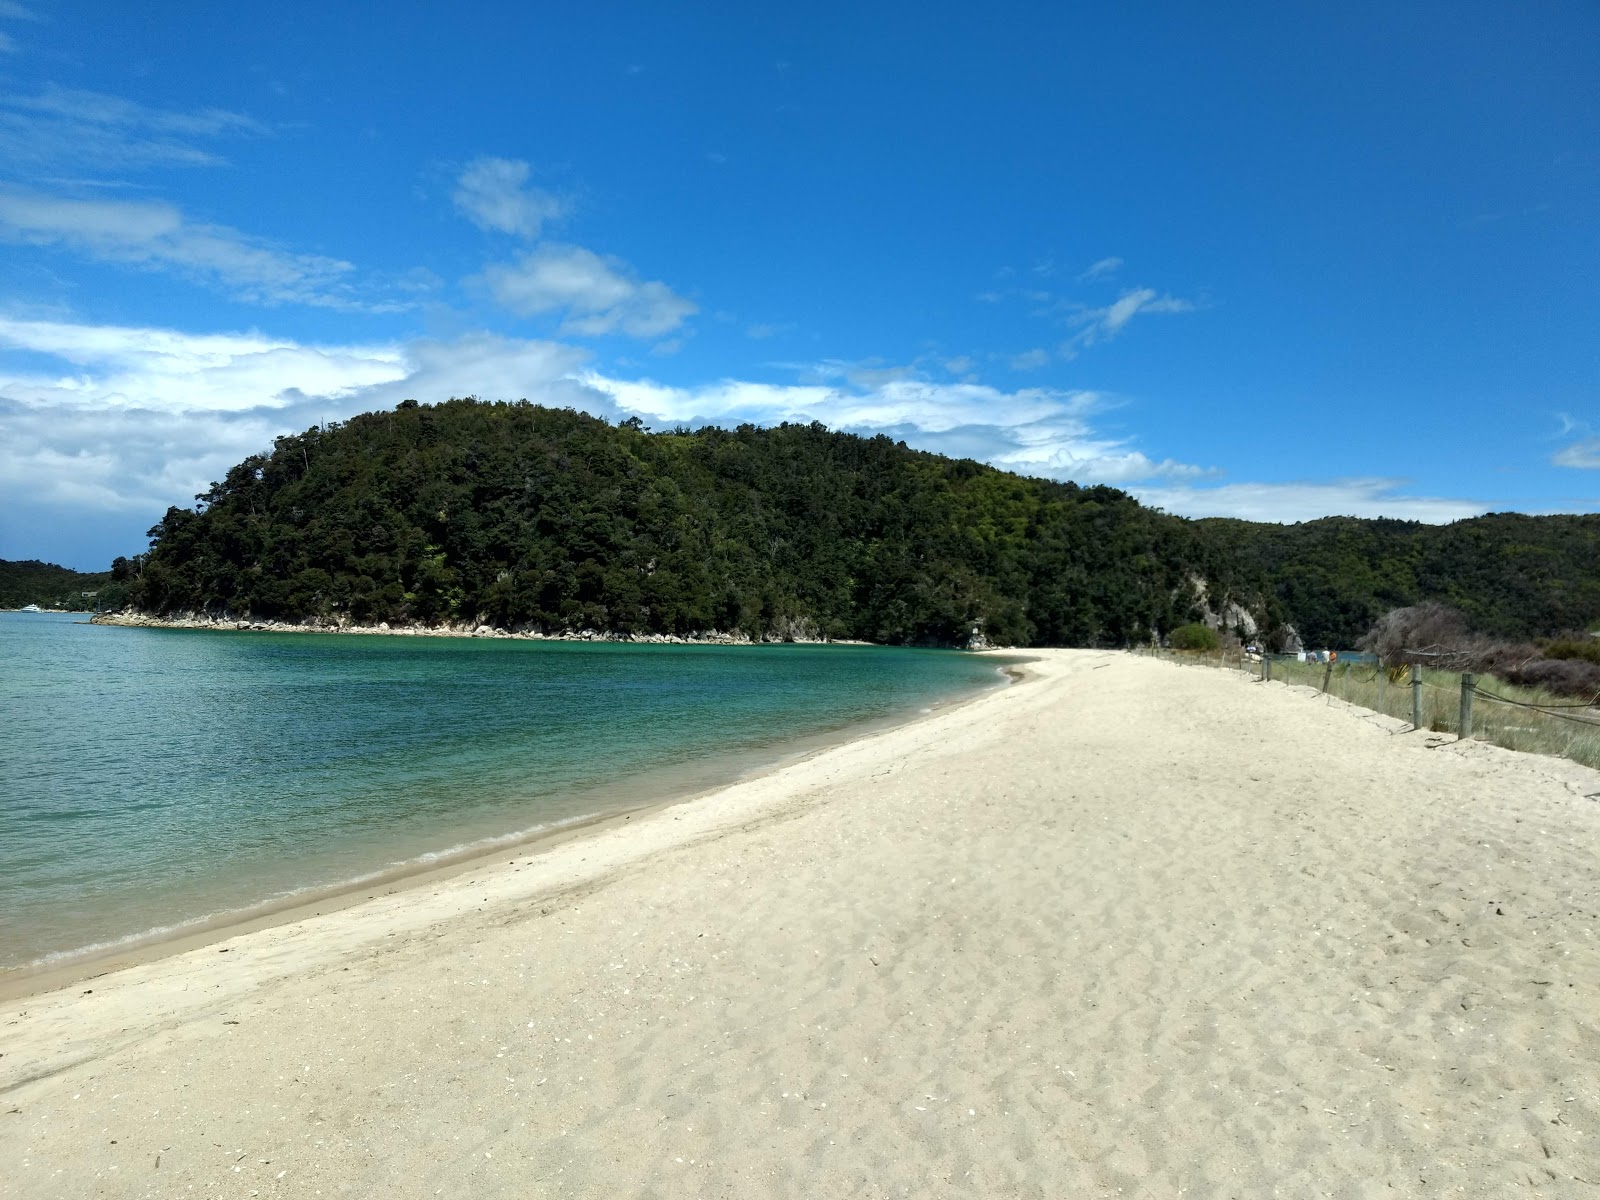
(1428, 626)
(1563, 676)
(1193, 637)
(1587, 649)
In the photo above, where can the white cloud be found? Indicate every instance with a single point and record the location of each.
(100, 132)
(1100, 270)
(155, 235)
(1036, 431)
(1308, 500)
(99, 108)
(109, 367)
(97, 421)
(1030, 360)
(493, 193)
(135, 419)
(599, 295)
(11, 10)
(1102, 324)
(1583, 454)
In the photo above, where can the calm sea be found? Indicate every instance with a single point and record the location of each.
(152, 778)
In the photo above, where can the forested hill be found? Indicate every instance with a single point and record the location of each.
(522, 516)
(50, 586)
(1510, 574)
(525, 517)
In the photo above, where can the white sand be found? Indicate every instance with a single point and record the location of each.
(1126, 929)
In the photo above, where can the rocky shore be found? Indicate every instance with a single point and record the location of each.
(231, 624)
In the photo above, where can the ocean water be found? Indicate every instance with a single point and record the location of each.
(151, 779)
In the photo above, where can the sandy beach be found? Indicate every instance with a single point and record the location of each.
(1125, 928)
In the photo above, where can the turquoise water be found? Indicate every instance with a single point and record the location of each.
(150, 778)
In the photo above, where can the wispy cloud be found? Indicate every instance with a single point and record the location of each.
(598, 294)
(1037, 431)
(91, 130)
(158, 236)
(494, 194)
(1029, 360)
(1095, 325)
(1584, 454)
(1102, 269)
(1310, 499)
(9, 10)
(99, 108)
(91, 137)
(99, 420)
(762, 330)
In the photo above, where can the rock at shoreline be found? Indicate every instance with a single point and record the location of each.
(798, 632)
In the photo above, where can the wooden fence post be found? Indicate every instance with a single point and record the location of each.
(1468, 682)
(1416, 696)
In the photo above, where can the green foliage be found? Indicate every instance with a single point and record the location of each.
(533, 518)
(1511, 575)
(50, 586)
(1194, 636)
(1588, 649)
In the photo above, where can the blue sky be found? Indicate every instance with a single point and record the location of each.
(1276, 262)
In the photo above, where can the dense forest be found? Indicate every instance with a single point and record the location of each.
(524, 517)
(50, 586)
(1510, 575)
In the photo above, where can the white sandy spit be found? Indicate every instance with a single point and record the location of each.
(1125, 929)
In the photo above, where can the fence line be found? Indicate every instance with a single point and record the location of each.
(1548, 710)
(1529, 721)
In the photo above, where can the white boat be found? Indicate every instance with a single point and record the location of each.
(30, 608)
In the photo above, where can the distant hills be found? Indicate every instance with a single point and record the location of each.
(50, 586)
(519, 516)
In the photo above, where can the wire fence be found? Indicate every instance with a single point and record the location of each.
(1516, 718)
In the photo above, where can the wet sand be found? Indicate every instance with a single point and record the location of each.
(1128, 928)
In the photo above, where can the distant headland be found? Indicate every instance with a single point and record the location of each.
(465, 515)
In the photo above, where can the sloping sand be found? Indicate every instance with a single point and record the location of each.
(1125, 929)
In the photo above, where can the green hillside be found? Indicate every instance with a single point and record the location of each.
(50, 586)
(1511, 575)
(525, 517)
(522, 516)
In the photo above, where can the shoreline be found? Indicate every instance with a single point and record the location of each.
(1120, 931)
(65, 968)
(467, 629)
